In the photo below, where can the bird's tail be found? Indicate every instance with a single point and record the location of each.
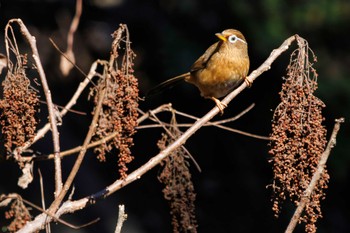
(167, 84)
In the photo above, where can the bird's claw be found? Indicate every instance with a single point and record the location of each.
(220, 105)
(248, 82)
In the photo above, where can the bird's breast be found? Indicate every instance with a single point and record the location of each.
(220, 76)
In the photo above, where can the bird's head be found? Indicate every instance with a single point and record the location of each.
(231, 36)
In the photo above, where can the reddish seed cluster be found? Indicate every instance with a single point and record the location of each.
(179, 189)
(19, 215)
(18, 107)
(298, 139)
(119, 114)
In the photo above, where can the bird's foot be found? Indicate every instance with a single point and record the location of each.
(219, 104)
(248, 82)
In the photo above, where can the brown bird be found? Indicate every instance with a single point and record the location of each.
(219, 70)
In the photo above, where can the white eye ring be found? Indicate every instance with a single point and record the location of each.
(233, 39)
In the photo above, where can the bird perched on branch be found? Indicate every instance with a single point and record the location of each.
(219, 70)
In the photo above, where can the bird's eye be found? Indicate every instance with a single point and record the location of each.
(232, 38)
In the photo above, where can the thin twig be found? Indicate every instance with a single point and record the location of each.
(315, 178)
(11, 46)
(209, 123)
(206, 125)
(52, 118)
(109, 137)
(122, 216)
(234, 118)
(74, 25)
(69, 110)
(47, 227)
(218, 123)
(72, 206)
(174, 138)
(68, 59)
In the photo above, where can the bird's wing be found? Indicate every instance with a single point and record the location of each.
(203, 60)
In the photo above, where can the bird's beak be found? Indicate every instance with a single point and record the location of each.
(221, 37)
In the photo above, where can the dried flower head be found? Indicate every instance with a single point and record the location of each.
(18, 214)
(119, 114)
(179, 189)
(298, 137)
(18, 106)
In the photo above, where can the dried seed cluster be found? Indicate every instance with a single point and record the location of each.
(119, 114)
(18, 106)
(298, 138)
(179, 190)
(18, 214)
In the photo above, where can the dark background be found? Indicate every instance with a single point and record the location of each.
(168, 36)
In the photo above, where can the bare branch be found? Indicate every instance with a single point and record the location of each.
(68, 59)
(11, 196)
(122, 216)
(42, 194)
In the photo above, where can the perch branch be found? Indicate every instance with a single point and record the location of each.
(320, 168)
(72, 206)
